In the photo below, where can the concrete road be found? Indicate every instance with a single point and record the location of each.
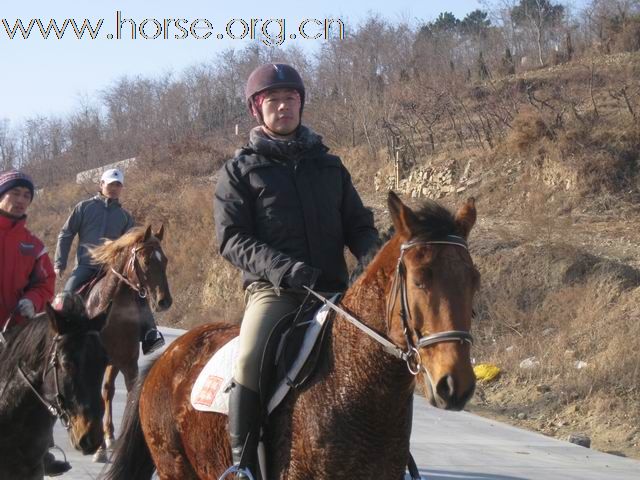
(453, 446)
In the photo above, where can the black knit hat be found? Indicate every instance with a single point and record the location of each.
(272, 76)
(13, 178)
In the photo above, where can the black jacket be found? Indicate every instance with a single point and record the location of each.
(279, 202)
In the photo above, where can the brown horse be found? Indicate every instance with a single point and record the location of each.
(135, 272)
(353, 418)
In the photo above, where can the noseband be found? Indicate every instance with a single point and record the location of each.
(57, 407)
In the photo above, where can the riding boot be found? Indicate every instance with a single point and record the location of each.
(150, 336)
(53, 467)
(244, 428)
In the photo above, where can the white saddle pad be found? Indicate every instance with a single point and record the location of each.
(210, 392)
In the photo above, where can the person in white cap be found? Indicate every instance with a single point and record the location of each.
(95, 220)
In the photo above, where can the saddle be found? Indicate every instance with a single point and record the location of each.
(288, 362)
(84, 289)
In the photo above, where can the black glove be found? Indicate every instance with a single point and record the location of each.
(301, 275)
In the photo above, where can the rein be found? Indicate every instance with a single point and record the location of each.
(135, 265)
(57, 407)
(399, 288)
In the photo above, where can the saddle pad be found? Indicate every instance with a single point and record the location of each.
(210, 392)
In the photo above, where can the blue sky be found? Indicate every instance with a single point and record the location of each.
(51, 77)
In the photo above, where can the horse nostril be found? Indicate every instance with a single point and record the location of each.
(86, 443)
(446, 388)
(165, 303)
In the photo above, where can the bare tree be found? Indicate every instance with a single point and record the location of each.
(538, 16)
(7, 145)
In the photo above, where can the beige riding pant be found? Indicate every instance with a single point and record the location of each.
(263, 309)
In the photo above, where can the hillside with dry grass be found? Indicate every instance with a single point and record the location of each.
(552, 157)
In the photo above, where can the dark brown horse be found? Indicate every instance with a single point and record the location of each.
(135, 273)
(353, 418)
(49, 367)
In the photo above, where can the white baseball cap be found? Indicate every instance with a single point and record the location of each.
(112, 175)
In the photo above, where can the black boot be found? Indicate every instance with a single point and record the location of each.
(152, 341)
(244, 428)
(53, 467)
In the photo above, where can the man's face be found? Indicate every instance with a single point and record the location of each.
(281, 111)
(16, 201)
(111, 190)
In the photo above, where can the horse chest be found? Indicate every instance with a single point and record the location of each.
(344, 431)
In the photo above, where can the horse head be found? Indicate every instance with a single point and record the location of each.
(76, 365)
(429, 303)
(150, 266)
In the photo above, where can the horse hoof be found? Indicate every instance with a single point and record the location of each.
(100, 456)
(109, 442)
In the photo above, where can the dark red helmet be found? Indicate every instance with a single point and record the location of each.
(272, 76)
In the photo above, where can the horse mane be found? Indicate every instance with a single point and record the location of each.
(434, 222)
(114, 252)
(25, 342)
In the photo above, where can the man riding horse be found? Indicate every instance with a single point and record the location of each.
(95, 220)
(27, 281)
(284, 211)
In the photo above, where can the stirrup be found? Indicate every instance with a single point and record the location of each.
(64, 455)
(237, 469)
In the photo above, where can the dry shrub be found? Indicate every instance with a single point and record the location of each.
(604, 155)
(528, 128)
(560, 305)
(361, 165)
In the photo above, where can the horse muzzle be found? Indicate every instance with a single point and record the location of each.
(449, 391)
(86, 436)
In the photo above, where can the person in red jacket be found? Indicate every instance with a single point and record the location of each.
(27, 279)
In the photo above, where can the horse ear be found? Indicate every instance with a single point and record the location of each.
(466, 217)
(54, 319)
(147, 234)
(160, 234)
(404, 220)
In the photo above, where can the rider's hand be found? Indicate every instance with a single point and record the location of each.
(26, 308)
(58, 272)
(301, 275)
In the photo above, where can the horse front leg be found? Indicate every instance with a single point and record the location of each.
(108, 391)
(130, 373)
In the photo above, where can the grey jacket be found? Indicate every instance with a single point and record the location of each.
(281, 202)
(94, 221)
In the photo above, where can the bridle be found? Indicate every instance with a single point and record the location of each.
(133, 264)
(399, 289)
(58, 407)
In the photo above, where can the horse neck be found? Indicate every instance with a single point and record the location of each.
(31, 355)
(366, 301)
(111, 287)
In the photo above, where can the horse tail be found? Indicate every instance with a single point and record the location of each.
(131, 458)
